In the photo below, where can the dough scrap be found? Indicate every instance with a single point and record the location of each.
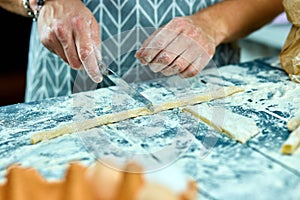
(238, 127)
(294, 122)
(127, 114)
(292, 143)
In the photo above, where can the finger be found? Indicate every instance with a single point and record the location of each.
(171, 54)
(90, 64)
(144, 45)
(65, 38)
(49, 39)
(96, 37)
(58, 49)
(170, 70)
(159, 42)
(194, 68)
(188, 57)
(162, 39)
(161, 61)
(184, 60)
(176, 67)
(200, 55)
(85, 48)
(190, 71)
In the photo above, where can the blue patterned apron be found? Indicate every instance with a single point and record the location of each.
(125, 24)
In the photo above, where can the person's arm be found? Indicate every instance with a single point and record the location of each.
(186, 44)
(14, 6)
(234, 19)
(68, 29)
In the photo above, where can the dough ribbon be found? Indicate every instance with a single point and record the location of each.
(127, 114)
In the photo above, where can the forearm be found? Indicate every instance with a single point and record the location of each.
(14, 6)
(230, 20)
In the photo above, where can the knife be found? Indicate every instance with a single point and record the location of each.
(118, 81)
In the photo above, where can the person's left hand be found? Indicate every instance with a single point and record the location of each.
(178, 47)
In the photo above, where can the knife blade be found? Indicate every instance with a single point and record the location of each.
(118, 81)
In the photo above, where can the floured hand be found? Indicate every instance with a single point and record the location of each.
(69, 29)
(180, 47)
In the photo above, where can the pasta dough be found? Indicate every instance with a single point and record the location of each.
(238, 127)
(292, 143)
(294, 122)
(123, 115)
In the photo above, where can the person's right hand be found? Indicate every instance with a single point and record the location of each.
(69, 29)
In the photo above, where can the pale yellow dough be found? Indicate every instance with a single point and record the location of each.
(294, 122)
(292, 143)
(238, 127)
(123, 115)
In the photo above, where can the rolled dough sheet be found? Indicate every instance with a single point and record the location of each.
(236, 126)
(127, 114)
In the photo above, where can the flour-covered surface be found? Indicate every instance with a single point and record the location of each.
(225, 121)
(223, 168)
(271, 99)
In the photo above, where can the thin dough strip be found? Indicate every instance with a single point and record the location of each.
(292, 143)
(238, 127)
(294, 122)
(123, 115)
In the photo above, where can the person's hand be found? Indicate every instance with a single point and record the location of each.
(178, 47)
(69, 29)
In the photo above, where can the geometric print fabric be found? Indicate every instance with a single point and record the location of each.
(124, 25)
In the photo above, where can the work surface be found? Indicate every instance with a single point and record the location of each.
(223, 168)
